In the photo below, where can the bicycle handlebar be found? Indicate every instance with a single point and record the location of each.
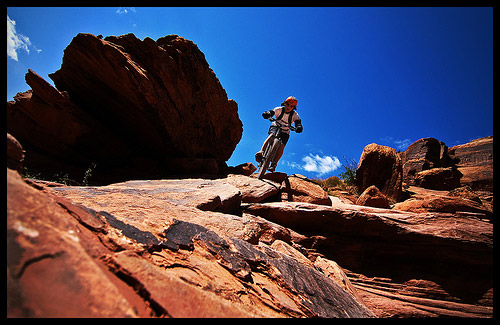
(272, 119)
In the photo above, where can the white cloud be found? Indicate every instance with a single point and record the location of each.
(124, 11)
(402, 144)
(291, 164)
(320, 165)
(396, 143)
(15, 40)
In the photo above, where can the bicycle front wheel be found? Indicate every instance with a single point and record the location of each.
(269, 155)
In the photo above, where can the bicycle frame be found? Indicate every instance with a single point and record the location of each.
(271, 149)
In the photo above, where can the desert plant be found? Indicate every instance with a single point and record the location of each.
(349, 168)
(88, 173)
(62, 178)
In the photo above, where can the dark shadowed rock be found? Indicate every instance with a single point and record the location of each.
(136, 109)
(15, 154)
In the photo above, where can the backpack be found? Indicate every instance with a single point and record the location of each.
(290, 116)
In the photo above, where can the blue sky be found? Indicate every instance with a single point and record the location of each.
(361, 75)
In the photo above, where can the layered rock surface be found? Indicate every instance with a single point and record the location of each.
(144, 109)
(475, 161)
(402, 264)
(191, 248)
(146, 250)
(431, 164)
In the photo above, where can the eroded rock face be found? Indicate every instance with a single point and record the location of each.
(458, 201)
(424, 154)
(290, 259)
(133, 250)
(431, 164)
(144, 109)
(403, 264)
(475, 162)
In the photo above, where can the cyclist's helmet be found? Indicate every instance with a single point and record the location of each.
(290, 100)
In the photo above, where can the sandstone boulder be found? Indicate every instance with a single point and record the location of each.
(297, 188)
(58, 136)
(372, 197)
(15, 154)
(253, 189)
(380, 166)
(137, 109)
(465, 192)
(438, 178)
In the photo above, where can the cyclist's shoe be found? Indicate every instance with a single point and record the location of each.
(258, 156)
(272, 168)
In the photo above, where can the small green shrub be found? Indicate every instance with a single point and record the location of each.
(349, 168)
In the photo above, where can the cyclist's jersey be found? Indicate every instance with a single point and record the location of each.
(285, 118)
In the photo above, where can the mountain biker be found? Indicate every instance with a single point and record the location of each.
(285, 115)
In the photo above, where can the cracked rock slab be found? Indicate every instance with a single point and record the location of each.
(95, 258)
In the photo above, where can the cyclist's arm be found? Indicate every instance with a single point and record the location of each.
(268, 114)
(298, 126)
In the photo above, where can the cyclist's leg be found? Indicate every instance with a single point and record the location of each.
(260, 154)
(264, 145)
(284, 139)
(279, 153)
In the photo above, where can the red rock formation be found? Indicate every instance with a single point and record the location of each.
(380, 166)
(297, 188)
(475, 162)
(424, 154)
(15, 154)
(430, 164)
(144, 249)
(403, 264)
(253, 189)
(138, 109)
(258, 258)
(372, 197)
(438, 178)
(425, 200)
(58, 135)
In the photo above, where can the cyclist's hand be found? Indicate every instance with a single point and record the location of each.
(267, 114)
(299, 129)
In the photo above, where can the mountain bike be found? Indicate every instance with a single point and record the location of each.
(272, 148)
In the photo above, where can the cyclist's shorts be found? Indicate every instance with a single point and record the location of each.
(282, 135)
